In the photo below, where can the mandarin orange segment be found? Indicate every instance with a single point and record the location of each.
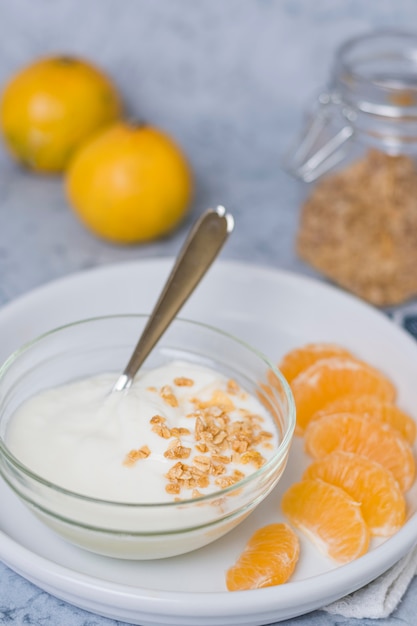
(375, 407)
(269, 558)
(332, 378)
(299, 359)
(362, 435)
(367, 482)
(328, 516)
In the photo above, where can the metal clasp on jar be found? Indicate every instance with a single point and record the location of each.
(324, 139)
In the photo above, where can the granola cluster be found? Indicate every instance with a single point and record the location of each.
(221, 436)
(359, 228)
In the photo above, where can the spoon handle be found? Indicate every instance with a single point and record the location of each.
(201, 247)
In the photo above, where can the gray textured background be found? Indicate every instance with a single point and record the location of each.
(229, 80)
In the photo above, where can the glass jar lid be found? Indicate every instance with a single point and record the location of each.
(371, 97)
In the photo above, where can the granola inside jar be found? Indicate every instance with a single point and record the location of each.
(358, 225)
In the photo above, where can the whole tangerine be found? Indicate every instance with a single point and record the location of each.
(130, 184)
(51, 106)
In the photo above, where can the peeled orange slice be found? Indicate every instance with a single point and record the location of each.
(269, 558)
(375, 407)
(362, 435)
(298, 359)
(328, 516)
(332, 378)
(367, 482)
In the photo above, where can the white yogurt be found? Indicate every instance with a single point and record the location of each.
(121, 446)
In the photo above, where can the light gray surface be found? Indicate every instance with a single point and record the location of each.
(229, 80)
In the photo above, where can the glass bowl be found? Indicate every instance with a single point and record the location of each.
(128, 529)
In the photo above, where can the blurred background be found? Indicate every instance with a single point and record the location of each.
(229, 81)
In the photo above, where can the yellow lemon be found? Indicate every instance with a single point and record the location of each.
(131, 183)
(51, 106)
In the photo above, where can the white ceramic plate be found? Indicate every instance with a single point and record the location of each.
(274, 311)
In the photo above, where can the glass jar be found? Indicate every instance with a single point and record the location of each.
(358, 225)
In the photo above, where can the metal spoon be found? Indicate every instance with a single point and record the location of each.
(201, 247)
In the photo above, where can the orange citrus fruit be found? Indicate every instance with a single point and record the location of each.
(375, 407)
(131, 183)
(362, 435)
(367, 482)
(328, 379)
(328, 516)
(297, 360)
(51, 106)
(269, 558)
